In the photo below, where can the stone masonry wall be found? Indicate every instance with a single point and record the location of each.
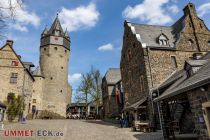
(54, 66)
(196, 98)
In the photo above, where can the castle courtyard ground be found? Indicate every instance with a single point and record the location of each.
(76, 130)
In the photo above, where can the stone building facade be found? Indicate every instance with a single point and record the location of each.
(151, 53)
(185, 101)
(51, 90)
(15, 76)
(109, 81)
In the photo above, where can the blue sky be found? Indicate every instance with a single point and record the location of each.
(95, 26)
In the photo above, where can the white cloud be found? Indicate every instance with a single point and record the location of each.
(19, 27)
(74, 77)
(150, 11)
(78, 18)
(173, 9)
(21, 15)
(204, 9)
(106, 47)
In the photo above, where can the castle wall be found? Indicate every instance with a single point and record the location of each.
(37, 95)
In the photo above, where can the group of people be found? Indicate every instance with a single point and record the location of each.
(126, 120)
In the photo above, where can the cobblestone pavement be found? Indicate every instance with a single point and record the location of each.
(78, 130)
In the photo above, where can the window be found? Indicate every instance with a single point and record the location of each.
(34, 100)
(201, 26)
(61, 91)
(134, 45)
(61, 67)
(173, 61)
(14, 63)
(190, 41)
(209, 43)
(13, 78)
(56, 48)
(45, 49)
(141, 80)
(51, 78)
(65, 51)
(163, 40)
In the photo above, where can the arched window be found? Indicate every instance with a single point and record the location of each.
(209, 43)
(163, 40)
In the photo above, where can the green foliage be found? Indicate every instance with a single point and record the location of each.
(15, 106)
(89, 89)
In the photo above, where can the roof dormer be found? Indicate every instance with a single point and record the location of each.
(163, 40)
(192, 66)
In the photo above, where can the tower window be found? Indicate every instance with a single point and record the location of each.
(45, 49)
(56, 48)
(61, 67)
(190, 41)
(51, 78)
(173, 61)
(209, 43)
(14, 63)
(34, 100)
(65, 51)
(201, 26)
(13, 78)
(61, 91)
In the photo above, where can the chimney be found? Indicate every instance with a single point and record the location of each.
(189, 9)
(197, 56)
(9, 42)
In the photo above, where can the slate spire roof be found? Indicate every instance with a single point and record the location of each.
(56, 26)
(45, 31)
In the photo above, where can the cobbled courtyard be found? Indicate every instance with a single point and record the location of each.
(75, 130)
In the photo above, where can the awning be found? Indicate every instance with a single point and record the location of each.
(2, 105)
(136, 105)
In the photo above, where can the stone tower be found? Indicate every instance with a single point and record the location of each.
(54, 58)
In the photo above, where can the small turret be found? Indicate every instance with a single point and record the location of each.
(66, 34)
(45, 32)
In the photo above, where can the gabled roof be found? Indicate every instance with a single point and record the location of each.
(113, 75)
(29, 73)
(199, 79)
(150, 33)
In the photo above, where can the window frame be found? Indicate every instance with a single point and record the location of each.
(13, 78)
(174, 61)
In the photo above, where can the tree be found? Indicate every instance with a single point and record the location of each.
(90, 88)
(84, 89)
(15, 106)
(96, 86)
(7, 12)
